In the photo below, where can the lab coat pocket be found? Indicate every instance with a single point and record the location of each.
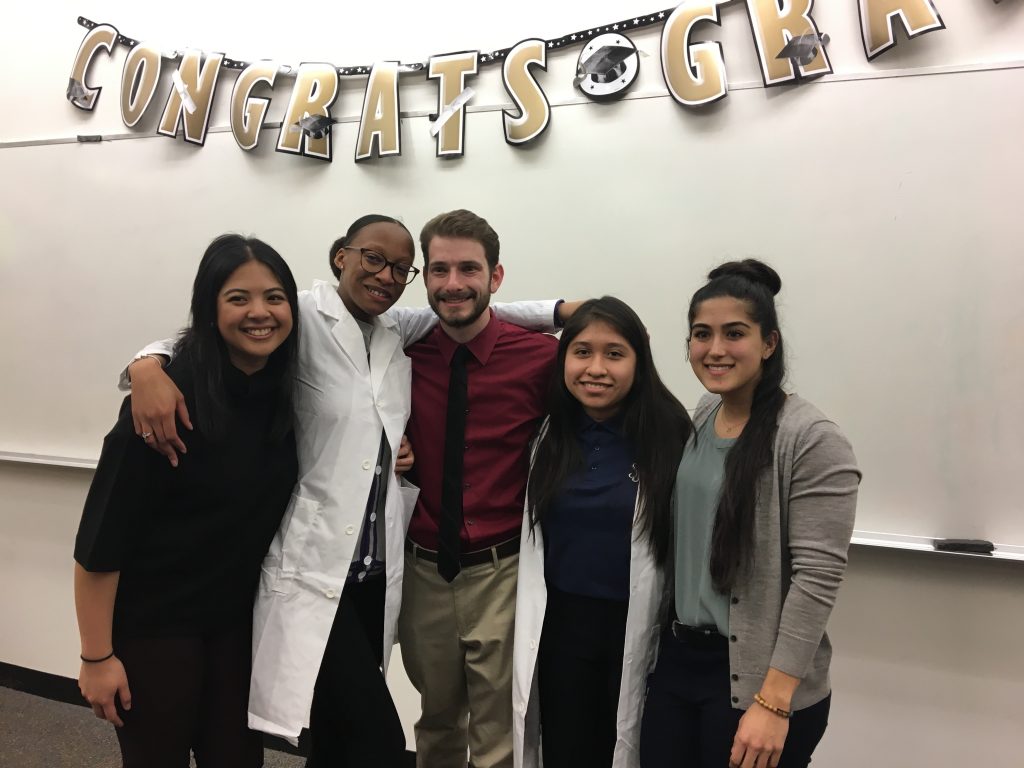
(408, 493)
(301, 517)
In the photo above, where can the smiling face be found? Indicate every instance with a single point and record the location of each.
(600, 366)
(727, 349)
(367, 295)
(253, 315)
(459, 285)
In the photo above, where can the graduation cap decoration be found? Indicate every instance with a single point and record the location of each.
(314, 126)
(803, 49)
(607, 67)
(78, 94)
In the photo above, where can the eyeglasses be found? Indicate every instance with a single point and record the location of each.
(374, 262)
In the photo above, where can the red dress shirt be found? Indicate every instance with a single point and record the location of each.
(509, 371)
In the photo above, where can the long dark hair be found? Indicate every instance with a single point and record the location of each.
(353, 230)
(732, 540)
(653, 421)
(203, 347)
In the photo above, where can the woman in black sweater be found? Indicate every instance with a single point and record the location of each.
(168, 559)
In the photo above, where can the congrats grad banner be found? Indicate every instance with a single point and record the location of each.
(789, 47)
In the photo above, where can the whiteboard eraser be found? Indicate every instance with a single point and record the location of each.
(970, 546)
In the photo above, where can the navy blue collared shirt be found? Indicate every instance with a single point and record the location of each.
(588, 529)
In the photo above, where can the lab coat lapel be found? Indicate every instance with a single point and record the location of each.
(350, 338)
(345, 331)
(382, 347)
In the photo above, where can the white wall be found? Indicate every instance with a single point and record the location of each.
(897, 233)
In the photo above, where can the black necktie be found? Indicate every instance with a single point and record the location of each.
(449, 545)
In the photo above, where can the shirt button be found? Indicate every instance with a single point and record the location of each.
(735, 678)
(367, 560)
(735, 699)
(735, 600)
(597, 447)
(732, 638)
(469, 522)
(465, 485)
(349, 530)
(376, 471)
(361, 575)
(593, 467)
(373, 517)
(366, 465)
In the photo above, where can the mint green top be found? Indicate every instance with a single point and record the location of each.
(698, 487)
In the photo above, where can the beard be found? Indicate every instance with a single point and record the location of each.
(476, 308)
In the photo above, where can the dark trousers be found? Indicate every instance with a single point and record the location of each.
(689, 719)
(579, 671)
(189, 694)
(353, 721)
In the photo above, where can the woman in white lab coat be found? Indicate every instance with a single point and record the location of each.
(596, 532)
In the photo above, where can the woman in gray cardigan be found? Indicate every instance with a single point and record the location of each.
(763, 512)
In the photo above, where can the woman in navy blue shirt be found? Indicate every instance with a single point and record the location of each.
(596, 531)
(168, 559)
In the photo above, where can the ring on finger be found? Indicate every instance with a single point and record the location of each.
(146, 435)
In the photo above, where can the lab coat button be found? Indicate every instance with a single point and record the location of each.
(366, 465)
(533, 645)
(349, 530)
(329, 592)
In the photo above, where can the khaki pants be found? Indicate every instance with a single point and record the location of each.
(457, 647)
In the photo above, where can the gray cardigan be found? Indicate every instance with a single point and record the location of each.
(804, 521)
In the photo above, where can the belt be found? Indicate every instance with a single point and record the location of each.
(698, 637)
(467, 559)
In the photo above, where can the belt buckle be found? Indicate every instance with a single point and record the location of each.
(680, 631)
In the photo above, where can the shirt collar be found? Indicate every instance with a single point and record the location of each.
(481, 346)
(329, 303)
(612, 425)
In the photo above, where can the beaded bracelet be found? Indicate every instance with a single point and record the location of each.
(96, 661)
(785, 713)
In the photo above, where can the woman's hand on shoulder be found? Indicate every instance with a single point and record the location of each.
(100, 682)
(759, 739)
(156, 400)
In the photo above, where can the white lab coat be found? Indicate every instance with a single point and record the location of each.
(647, 602)
(342, 402)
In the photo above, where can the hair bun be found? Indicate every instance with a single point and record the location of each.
(750, 269)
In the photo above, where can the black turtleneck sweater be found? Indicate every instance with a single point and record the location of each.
(189, 541)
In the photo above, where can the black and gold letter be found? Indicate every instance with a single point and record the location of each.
(534, 110)
(694, 73)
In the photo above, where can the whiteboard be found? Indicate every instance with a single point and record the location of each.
(889, 204)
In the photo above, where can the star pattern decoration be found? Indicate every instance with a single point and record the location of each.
(556, 43)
